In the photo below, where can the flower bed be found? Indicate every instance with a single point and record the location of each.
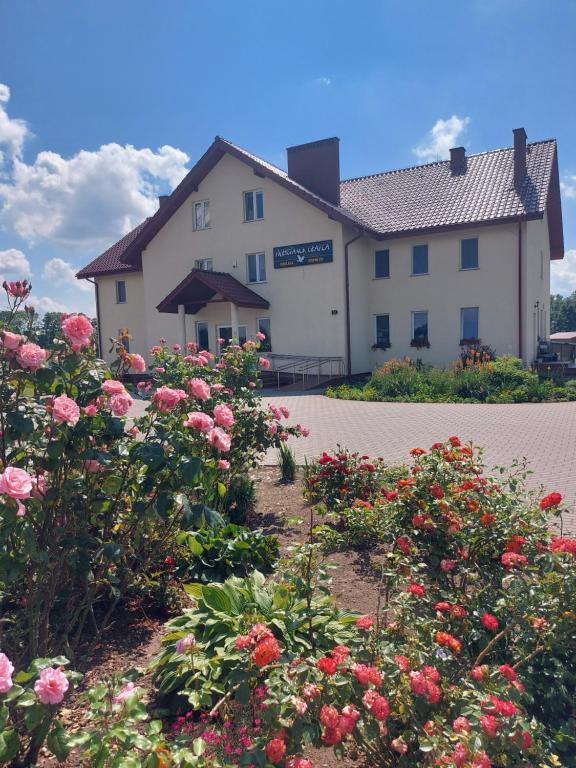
(503, 380)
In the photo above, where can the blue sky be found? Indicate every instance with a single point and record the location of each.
(105, 104)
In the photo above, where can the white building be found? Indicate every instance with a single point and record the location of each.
(410, 262)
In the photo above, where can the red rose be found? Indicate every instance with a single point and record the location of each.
(266, 651)
(507, 672)
(327, 665)
(275, 750)
(552, 500)
(490, 621)
(419, 590)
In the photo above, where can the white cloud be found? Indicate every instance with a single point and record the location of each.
(62, 273)
(47, 304)
(563, 274)
(13, 132)
(568, 186)
(14, 264)
(325, 81)
(444, 135)
(89, 199)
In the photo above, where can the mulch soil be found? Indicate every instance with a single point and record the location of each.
(134, 638)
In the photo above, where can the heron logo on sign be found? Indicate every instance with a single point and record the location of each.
(303, 254)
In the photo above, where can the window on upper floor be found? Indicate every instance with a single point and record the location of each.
(382, 331)
(469, 253)
(120, 292)
(253, 205)
(204, 264)
(420, 327)
(469, 324)
(202, 214)
(256, 267)
(420, 260)
(382, 263)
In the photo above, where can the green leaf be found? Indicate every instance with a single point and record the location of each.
(216, 598)
(190, 469)
(19, 422)
(9, 745)
(58, 743)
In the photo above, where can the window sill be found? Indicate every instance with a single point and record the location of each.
(469, 269)
(257, 282)
(251, 221)
(420, 343)
(419, 274)
(384, 277)
(383, 347)
(470, 342)
(200, 229)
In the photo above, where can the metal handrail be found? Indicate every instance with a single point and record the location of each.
(302, 364)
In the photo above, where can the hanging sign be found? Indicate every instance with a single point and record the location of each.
(303, 254)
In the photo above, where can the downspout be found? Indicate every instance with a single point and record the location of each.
(520, 334)
(347, 292)
(95, 284)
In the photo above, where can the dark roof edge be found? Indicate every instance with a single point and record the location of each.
(194, 177)
(87, 272)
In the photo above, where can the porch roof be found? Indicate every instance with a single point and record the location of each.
(201, 287)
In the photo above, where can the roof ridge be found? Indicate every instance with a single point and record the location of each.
(441, 162)
(252, 154)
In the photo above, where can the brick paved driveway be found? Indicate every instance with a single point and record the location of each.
(543, 433)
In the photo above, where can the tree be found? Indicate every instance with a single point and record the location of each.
(563, 313)
(50, 329)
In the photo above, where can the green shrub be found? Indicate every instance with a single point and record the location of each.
(287, 463)
(226, 551)
(239, 499)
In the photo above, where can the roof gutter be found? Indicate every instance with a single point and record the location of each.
(97, 294)
(347, 294)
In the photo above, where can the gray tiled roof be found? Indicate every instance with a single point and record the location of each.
(429, 196)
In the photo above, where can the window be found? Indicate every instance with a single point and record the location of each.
(469, 324)
(204, 264)
(420, 327)
(469, 253)
(120, 292)
(202, 336)
(202, 215)
(420, 260)
(263, 326)
(256, 267)
(225, 332)
(253, 205)
(382, 334)
(382, 264)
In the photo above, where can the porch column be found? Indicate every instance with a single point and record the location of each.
(182, 318)
(234, 320)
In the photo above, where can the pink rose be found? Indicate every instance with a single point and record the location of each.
(12, 340)
(218, 387)
(16, 483)
(65, 410)
(208, 356)
(128, 690)
(299, 762)
(6, 669)
(399, 745)
(78, 330)
(199, 420)
(223, 464)
(39, 485)
(166, 398)
(447, 565)
(219, 439)
(31, 356)
(137, 363)
(160, 369)
(284, 411)
(51, 685)
(176, 347)
(223, 416)
(120, 403)
(199, 388)
(113, 387)
(92, 466)
(91, 410)
(260, 336)
(264, 363)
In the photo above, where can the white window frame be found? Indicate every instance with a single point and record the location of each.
(419, 274)
(253, 192)
(421, 312)
(205, 207)
(205, 265)
(198, 324)
(381, 314)
(462, 310)
(257, 255)
(219, 334)
(125, 292)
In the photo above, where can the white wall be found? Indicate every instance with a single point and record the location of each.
(301, 298)
(536, 283)
(493, 287)
(114, 316)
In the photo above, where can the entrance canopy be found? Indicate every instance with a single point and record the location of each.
(201, 287)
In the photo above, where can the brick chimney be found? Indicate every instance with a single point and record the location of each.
(316, 166)
(457, 160)
(519, 156)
